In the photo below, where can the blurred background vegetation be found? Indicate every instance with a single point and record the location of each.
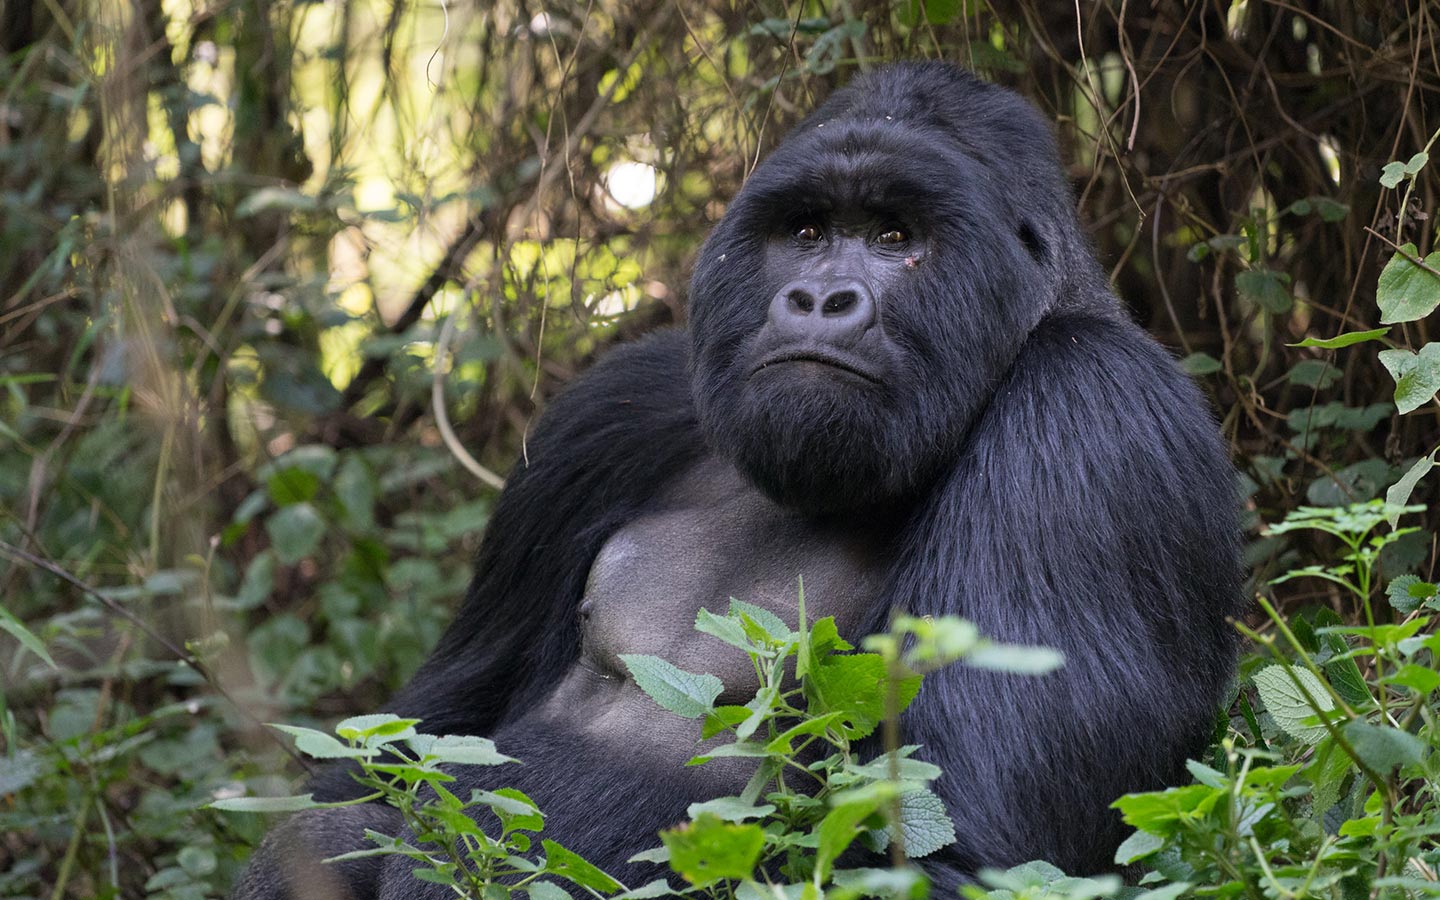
(284, 284)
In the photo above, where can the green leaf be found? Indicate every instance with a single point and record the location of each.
(319, 745)
(290, 486)
(1327, 773)
(726, 628)
(1266, 289)
(1407, 292)
(683, 693)
(1402, 594)
(196, 861)
(1016, 658)
(1382, 748)
(1416, 163)
(1138, 845)
(1200, 364)
(1391, 174)
(378, 725)
(774, 627)
(1400, 491)
(854, 686)
(1343, 340)
(1169, 812)
(841, 824)
(545, 890)
(266, 804)
(467, 749)
(295, 532)
(710, 849)
(657, 888)
(571, 866)
(1418, 376)
(1313, 373)
(1420, 679)
(16, 629)
(924, 823)
(1287, 705)
(731, 809)
(515, 810)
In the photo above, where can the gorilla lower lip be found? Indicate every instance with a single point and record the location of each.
(820, 359)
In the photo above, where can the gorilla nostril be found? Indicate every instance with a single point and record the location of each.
(839, 303)
(802, 302)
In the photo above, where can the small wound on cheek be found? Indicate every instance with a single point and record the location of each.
(912, 262)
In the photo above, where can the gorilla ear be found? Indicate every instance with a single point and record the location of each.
(1034, 244)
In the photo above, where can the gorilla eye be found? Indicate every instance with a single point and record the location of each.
(807, 231)
(892, 237)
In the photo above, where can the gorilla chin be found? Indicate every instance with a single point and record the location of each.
(821, 437)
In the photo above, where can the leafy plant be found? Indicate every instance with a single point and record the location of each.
(1328, 789)
(809, 799)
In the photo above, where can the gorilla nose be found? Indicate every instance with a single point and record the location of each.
(835, 311)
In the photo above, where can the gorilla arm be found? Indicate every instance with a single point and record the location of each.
(609, 441)
(1092, 511)
(603, 448)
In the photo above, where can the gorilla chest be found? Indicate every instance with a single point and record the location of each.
(711, 537)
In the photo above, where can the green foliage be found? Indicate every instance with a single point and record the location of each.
(1331, 789)
(231, 243)
(815, 699)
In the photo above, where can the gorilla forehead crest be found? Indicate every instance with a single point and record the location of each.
(872, 282)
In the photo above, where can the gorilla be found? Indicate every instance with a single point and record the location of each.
(906, 379)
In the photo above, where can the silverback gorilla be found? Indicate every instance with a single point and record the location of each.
(905, 379)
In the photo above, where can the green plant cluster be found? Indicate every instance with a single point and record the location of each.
(810, 796)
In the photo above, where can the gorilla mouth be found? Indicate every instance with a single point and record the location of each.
(824, 358)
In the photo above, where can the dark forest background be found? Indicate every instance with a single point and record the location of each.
(283, 285)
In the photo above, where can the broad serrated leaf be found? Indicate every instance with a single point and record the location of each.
(924, 823)
(683, 693)
(1383, 748)
(1406, 291)
(1398, 593)
(772, 624)
(1287, 705)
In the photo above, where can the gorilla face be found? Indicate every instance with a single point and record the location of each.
(869, 286)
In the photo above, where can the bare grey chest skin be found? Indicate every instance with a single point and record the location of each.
(711, 536)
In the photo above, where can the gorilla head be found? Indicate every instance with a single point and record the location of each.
(872, 281)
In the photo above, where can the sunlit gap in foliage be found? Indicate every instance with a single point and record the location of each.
(632, 185)
(1330, 153)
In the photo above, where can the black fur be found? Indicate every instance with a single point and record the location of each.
(1051, 474)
